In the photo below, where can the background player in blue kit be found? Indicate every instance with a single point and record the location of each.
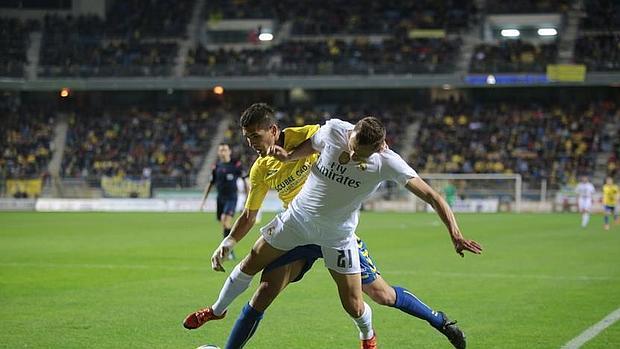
(224, 176)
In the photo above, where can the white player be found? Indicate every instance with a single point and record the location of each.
(585, 191)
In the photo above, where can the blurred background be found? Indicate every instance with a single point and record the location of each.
(504, 103)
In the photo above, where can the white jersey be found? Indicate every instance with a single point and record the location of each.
(585, 190)
(337, 185)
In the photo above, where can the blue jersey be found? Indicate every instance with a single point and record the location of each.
(224, 177)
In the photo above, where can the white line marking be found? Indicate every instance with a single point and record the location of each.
(103, 266)
(207, 267)
(593, 331)
(505, 275)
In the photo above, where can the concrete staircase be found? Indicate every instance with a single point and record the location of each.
(566, 45)
(410, 134)
(32, 55)
(193, 30)
(54, 187)
(204, 175)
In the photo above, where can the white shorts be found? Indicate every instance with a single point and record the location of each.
(286, 232)
(585, 204)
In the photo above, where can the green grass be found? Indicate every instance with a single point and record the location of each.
(89, 280)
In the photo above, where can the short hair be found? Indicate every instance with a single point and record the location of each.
(370, 131)
(258, 114)
(224, 144)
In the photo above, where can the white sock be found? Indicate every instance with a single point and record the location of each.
(235, 284)
(585, 218)
(364, 323)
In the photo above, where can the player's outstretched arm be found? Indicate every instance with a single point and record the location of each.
(239, 230)
(422, 190)
(301, 151)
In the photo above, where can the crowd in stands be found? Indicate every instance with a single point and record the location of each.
(153, 18)
(348, 16)
(601, 15)
(598, 52)
(528, 6)
(513, 56)
(25, 141)
(330, 57)
(556, 143)
(14, 40)
(136, 39)
(167, 146)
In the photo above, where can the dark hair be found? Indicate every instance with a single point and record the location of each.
(224, 144)
(258, 114)
(370, 131)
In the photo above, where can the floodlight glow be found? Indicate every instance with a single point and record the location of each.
(547, 32)
(265, 37)
(510, 33)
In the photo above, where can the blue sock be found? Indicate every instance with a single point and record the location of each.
(410, 304)
(244, 328)
(606, 219)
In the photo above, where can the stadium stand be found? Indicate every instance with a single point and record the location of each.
(527, 6)
(14, 40)
(144, 43)
(550, 142)
(25, 142)
(165, 145)
(330, 57)
(350, 17)
(512, 56)
(601, 15)
(598, 52)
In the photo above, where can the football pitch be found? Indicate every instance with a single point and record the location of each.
(96, 280)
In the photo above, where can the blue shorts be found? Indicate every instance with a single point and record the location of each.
(226, 205)
(310, 253)
(307, 253)
(610, 209)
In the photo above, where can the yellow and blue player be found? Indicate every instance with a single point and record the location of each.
(610, 199)
(261, 131)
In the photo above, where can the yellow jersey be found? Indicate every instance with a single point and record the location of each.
(286, 178)
(610, 194)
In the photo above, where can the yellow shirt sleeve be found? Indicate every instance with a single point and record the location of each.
(258, 187)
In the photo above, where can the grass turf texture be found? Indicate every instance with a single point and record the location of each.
(95, 280)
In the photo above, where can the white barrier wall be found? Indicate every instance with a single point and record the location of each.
(271, 204)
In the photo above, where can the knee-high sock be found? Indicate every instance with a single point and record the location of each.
(585, 218)
(244, 328)
(235, 284)
(364, 323)
(410, 304)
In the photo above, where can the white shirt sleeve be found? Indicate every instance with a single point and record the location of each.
(333, 130)
(320, 137)
(396, 169)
